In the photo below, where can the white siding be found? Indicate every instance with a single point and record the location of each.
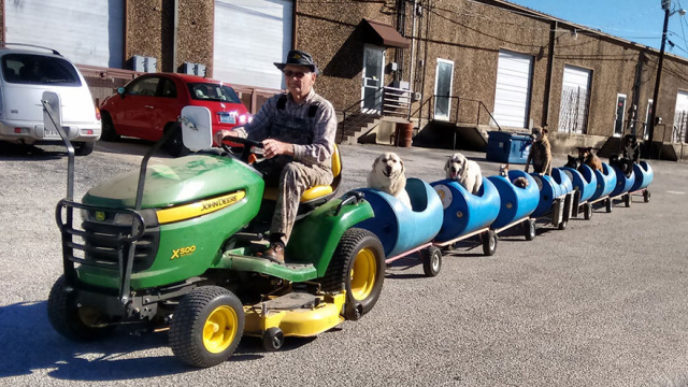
(250, 35)
(512, 94)
(88, 32)
(573, 112)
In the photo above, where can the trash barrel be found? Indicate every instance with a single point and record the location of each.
(404, 134)
(506, 147)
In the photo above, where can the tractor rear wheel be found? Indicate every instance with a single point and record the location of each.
(207, 326)
(72, 321)
(358, 267)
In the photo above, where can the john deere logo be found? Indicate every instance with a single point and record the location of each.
(100, 216)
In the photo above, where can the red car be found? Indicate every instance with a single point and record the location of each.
(150, 105)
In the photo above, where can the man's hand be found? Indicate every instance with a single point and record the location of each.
(272, 148)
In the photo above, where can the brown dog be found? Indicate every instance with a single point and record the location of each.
(590, 159)
(540, 152)
(520, 181)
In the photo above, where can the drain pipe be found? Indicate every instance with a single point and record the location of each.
(174, 36)
(412, 74)
(425, 63)
(548, 78)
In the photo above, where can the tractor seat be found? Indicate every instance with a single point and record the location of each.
(319, 193)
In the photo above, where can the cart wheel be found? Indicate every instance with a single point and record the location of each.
(627, 200)
(432, 261)
(608, 205)
(72, 321)
(529, 229)
(646, 196)
(273, 339)
(576, 203)
(587, 211)
(358, 267)
(207, 326)
(563, 224)
(489, 242)
(568, 201)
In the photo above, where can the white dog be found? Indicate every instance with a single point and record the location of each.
(388, 176)
(465, 171)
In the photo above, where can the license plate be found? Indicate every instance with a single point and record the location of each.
(50, 133)
(226, 118)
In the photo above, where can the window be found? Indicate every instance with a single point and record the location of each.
(167, 88)
(39, 69)
(144, 87)
(213, 92)
(620, 113)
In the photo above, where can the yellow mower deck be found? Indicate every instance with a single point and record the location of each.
(297, 314)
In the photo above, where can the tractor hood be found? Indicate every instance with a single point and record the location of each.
(177, 181)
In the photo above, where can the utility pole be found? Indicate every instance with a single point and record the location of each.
(666, 5)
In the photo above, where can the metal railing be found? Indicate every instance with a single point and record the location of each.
(474, 107)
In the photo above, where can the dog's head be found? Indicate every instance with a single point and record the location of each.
(504, 170)
(538, 133)
(389, 165)
(455, 166)
(584, 152)
(574, 162)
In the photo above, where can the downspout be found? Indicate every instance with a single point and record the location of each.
(125, 30)
(425, 63)
(174, 35)
(412, 75)
(633, 117)
(548, 77)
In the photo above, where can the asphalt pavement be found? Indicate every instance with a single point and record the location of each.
(601, 303)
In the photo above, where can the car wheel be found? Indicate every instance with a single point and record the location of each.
(108, 128)
(83, 148)
(175, 145)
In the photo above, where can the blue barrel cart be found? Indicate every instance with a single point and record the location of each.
(584, 185)
(466, 214)
(643, 177)
(556, 197)
(606, 182)
(516, 203)
(403, 230)
(622, 189)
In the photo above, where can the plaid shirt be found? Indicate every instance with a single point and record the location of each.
(324, 126)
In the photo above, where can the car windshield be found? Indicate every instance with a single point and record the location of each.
(39, 69)
(213, 92)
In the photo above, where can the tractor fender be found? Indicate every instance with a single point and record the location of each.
(316, 236)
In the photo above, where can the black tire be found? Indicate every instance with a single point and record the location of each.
(563, 224)
(432, 261)
(74, 322)
(206, 326)
(627, 200)
(358, 267)
(608, 204)
(529, 229)
(576, 201)
(273, 339)
(175, 145)
(587, 211)
(489, 242)
(646, 196)
(108, 132)
(84, 148)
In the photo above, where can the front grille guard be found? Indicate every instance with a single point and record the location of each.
(125, 243)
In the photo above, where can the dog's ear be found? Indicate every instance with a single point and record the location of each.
(544, 130)
(402, 165)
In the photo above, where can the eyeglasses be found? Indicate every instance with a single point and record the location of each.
(297, 74)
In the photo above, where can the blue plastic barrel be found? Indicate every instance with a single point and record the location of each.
(515, 202)
(551, 188)
(563, 180)
(643, 175)
(465, 212)
(606, 181)
(399, 227)
(584, 180)
(623, 182)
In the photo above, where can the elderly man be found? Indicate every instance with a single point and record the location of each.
(297, 130)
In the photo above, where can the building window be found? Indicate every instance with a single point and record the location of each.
(620, 114)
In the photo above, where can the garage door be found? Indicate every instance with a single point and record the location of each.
(88, 32)
(573, 112)
(250, 35)
(512, 96)
(680, 131)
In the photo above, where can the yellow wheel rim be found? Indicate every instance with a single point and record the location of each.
(220, 328)
(362, 276)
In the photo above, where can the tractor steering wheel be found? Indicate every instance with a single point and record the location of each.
(247, 148)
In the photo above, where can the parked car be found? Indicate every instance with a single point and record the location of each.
(29, 71)
(150, 105)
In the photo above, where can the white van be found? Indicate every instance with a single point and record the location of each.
(26, 74)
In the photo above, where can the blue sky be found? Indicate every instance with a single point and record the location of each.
(639, 21)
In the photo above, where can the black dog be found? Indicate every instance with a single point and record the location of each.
(574, 162)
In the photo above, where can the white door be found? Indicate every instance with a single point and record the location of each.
(680, 117)
(251, 35)
(87, 32)
(512, 95)
(373, 76)
(573, 111)
(620, 113)
(444, 73)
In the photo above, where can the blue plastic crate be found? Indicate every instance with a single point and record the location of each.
(505, 147)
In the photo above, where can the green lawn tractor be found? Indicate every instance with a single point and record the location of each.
(175, 246)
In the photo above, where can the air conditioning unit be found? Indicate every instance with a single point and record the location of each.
(193, 69)
(145, 64)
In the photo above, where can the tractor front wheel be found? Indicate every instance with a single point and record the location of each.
(72, 321)
(206, 326)
(358, 267)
